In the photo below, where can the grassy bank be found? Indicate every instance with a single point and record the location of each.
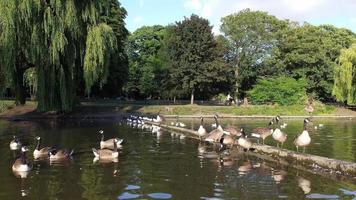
(5, 105)
(112, 108)
(226, 110)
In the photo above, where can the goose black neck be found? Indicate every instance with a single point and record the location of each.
(23, 158)
(102, 137)
(38, 144)
(115, 145)
(216, 121)
(201, 121)
(305, 126)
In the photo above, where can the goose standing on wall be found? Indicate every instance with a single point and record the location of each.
(215, 135)
(201, 130)
(233, 131)
(244, 142)
(107, 153)
(21, 164)
(41, 152)
(303, 139)
(109, 143)
(263, 132)
(278, 135)
(15, 143)
(159, 118)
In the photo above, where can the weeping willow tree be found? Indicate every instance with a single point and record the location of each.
(63, 39)
(345, 76)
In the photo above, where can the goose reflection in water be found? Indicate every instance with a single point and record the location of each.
(24, 188)
(278, 175)
(304, 184)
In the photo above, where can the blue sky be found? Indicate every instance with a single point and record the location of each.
(341, 13)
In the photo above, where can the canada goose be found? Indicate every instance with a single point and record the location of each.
(303, 139)
(232, 130)
(279, 136)
(227, 140)
(15, 143)
(159, 118)
(215, 135)
(109, 143)
(61, 154)
(244, 142)
(263, 132)
(107, 153)
(41, 152)
(201, 130)
(21, 164)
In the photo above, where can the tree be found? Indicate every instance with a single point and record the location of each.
(344, 88)
(64, 40)
(252, 35)
(145, 68)
(194, 60)
(311, 52)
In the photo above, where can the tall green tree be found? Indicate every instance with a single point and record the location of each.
(194, 60)
(146, 67)
(311, 52)
(64, 40)
(252, 35)
(345, 76)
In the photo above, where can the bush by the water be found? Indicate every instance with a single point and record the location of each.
(282, 91)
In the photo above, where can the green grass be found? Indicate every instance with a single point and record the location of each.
(6, 104)
(227, 110)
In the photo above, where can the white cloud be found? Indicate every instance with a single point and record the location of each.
(138, 19)
(337, 12)
(193, 4)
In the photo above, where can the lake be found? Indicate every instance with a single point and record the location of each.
(166, 166)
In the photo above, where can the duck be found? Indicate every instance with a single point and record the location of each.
(107, 153)
(41, 152)
(201, 131)
(61, 154)
(22, 164)
(15, 144)
(263, 132)
(109, 143)
(215, 135)
(244, 142)
(303, 139)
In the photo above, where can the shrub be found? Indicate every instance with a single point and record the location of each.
(282, 91)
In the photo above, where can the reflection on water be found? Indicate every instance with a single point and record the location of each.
(153, 164)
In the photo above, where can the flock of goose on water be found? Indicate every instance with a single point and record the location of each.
(108, 151)
(227, 137)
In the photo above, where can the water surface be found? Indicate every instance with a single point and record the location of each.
(165, 166)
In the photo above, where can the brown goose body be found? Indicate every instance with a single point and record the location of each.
(233, 130)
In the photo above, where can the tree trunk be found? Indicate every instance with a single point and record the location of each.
(20, 92)
(192, 98)
(174, 100)
(236, 86)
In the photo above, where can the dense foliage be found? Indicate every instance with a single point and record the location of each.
(345, 76)
(281, 90)
(192, 52)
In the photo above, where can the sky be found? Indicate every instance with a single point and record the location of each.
(340, 13)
